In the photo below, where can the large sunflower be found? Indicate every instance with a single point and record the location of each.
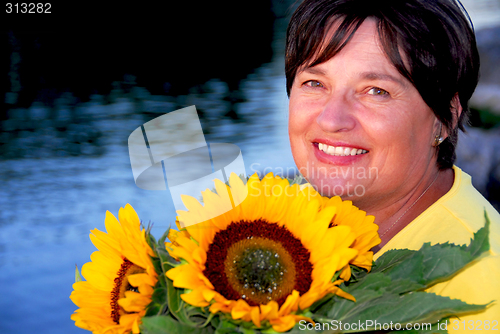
(362, 225)
(269, 258)
(119, 280)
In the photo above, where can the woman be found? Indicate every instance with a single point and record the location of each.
(378, 91)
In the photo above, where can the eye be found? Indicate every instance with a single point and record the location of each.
(313, 83)
(377, 91)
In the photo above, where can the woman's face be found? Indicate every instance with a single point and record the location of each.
(358, 128)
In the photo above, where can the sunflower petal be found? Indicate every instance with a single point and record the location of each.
(255, 315)
(333, 233)
(195, 298)
(283, 324)
(240, 309)
(123, 256)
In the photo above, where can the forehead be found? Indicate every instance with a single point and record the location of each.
(361, 42)
(362, 57)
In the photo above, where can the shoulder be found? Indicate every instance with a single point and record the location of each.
(467, 205)
(453, 218)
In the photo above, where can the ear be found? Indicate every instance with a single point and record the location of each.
(456, 109)
(456, 112)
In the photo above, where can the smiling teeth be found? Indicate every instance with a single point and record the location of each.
(340, 150)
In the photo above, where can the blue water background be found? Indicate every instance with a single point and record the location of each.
(49, 202)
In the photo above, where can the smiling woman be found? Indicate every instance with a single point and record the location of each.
(384, 86)
(358, 101)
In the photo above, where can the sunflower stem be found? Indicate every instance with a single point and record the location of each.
(209, 319)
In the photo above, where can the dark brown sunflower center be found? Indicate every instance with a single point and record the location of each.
(260, 270)
(121, 285)
(259, 262)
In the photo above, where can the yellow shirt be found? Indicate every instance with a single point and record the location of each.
(454, 218)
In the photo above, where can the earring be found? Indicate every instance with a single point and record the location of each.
(438, 140)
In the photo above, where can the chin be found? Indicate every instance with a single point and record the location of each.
(330, 187)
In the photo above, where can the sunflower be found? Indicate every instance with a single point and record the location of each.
(363, 226)
(269, 258)
(119, 280)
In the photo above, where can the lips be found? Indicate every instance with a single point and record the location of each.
(338, 153)
(342, 151)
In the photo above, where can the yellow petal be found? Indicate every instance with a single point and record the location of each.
(139, 279)
(308, 299)
(240, 309)
(283, 324)
(185, 276)
(195, 298)
(346, 273)
(238, 189)
(291, 304)
(269, 311)
(343, 294)
(208, 294)
(191, 203)
(255, 315)
(216, 307)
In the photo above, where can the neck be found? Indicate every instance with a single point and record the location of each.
(392, 218)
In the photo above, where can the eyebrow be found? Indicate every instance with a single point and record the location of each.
(363, 75)
(314, 70)
(381, 76)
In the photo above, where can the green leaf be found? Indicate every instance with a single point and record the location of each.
(173, 298)
(441, 262)
(159, 295)
(167, 262)
(416, 307)
(481, 242)
(150, 239)
(392, 292)
(157, 265)
(366, 292)
(298, 179)
(412, 268)
(153, 309)
(391, 258)
(421, 307)
(161, 241)
(178, 308)
(168, 325)
(159, 299)
(403, 286)
(78, 277)
(433, 264)
(226, 327)
(357, 273)
(380, 298)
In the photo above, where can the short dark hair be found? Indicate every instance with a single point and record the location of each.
(436, 38)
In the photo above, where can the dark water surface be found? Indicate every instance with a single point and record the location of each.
(65, 164)
(49, 203)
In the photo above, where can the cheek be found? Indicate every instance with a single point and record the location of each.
(402, 137)
(296, 132)
(301, 116)
(299, 124)
(295, 126)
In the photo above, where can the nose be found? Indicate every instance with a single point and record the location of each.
(337, 115)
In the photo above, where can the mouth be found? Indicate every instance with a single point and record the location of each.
(341, 151)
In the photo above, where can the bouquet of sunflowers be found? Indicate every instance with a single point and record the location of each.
(282, 258)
